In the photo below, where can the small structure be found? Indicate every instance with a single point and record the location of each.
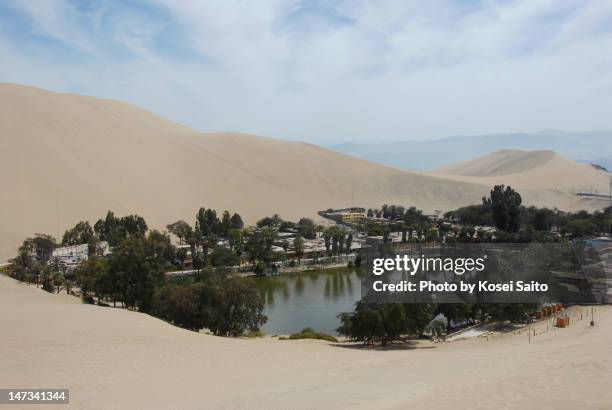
(347, 215)
(72, 255)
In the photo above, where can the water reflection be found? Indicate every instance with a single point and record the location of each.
(314, 299)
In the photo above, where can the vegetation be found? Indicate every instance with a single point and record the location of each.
(80, 234)
(383, 323)
(512, 222)
(309, 333)
(114, 230)
(133, 274)
(226, 305)
(515, 222)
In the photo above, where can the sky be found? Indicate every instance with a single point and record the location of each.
(326, 71)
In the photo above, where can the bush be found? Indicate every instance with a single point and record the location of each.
(254, 333)
(309, 333)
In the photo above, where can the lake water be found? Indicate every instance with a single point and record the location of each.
(308, 299)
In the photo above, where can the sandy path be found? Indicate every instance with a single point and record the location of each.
(111, 358)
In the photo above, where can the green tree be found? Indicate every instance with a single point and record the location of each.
(298, 247)
(207, 221)
(307, 229)
(240, 308)
(90, 274)
(114, 230)
(581, 227)
(42, 245)
(453, 312)
(327, 239)
(81, 233)
(235, 240)
(222, 256)
(179, 305)
(226, 305)
(371, 323)
(349, 243)
(236, 222)
(139, 264)
(225, 225)
(259, 244)
(182, 231)
(271, 222)
(505, 204)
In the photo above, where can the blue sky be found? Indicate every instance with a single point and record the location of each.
(324, 71)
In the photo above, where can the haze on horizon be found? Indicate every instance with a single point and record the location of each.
(326, 72)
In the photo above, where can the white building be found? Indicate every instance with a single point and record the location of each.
(71, 255)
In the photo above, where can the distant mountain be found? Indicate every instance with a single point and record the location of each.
(434, 154)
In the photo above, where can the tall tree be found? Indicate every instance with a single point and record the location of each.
(349, 243)
(505, 203)
(139, 264)
(81, 233)
(236, 222)
(90, 274)
(225, 225)
(298, 247)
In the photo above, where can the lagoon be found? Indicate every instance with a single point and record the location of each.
(308, 299)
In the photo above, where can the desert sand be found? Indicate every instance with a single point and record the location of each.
(532, 170)
(113, 358)
(66, 158)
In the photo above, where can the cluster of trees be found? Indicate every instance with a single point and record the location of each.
(133, 274)
(337, 241)
(503, 210)
(409, 215)
(513, 222)
(260, 241)
(114, 230)
(411, 222)
(203, 237)
(305, 227)
(259, 246)
(386, 322)
(226, 305)
(34, 262)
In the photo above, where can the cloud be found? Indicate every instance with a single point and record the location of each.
(329, 71)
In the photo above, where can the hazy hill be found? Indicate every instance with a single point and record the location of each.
(532, 170)
(433, 154)
(66, 158)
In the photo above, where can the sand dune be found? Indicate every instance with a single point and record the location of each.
(531, 170)
(502, 162)
(66, 158)
(113, 358)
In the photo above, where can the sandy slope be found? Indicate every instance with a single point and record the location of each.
(66, 158)
(534, 170)
(112, 358)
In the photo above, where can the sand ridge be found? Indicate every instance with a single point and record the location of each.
(531, 170)
(501, 162)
